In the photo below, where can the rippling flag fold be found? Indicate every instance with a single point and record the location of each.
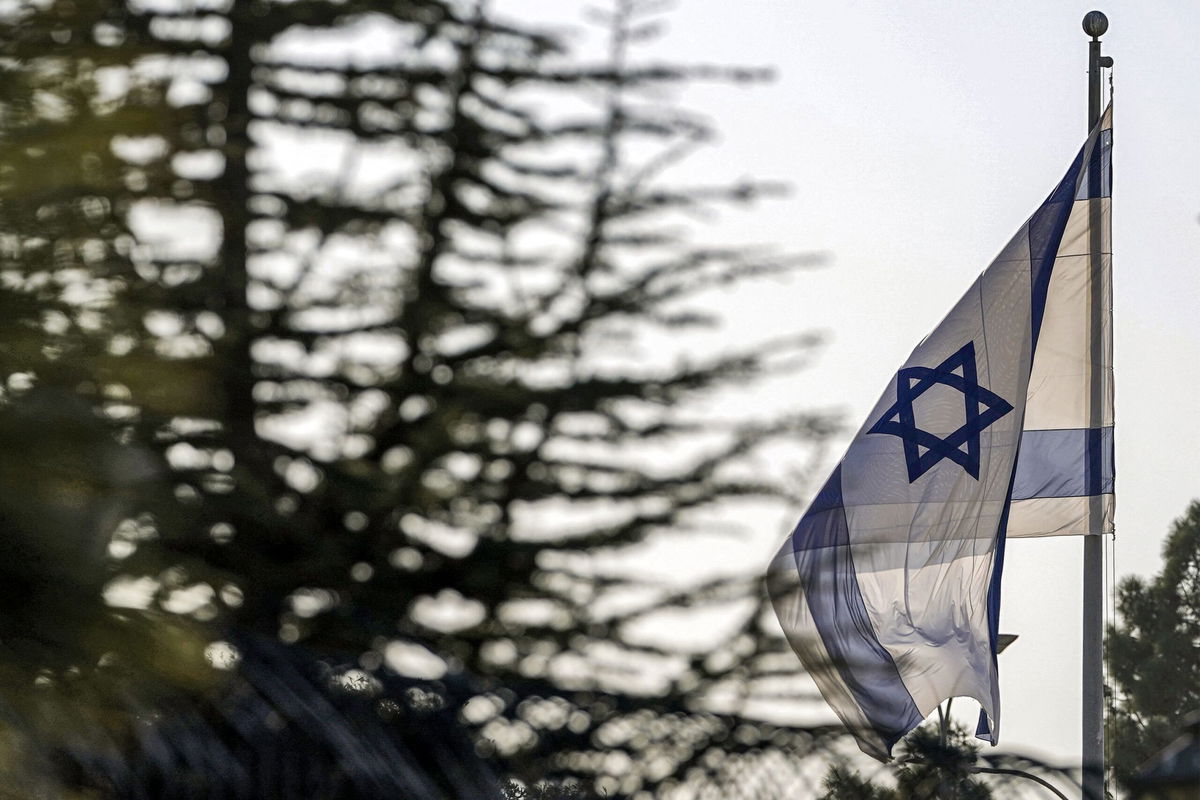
(889, 587)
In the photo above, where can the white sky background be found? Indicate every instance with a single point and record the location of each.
(917, 138)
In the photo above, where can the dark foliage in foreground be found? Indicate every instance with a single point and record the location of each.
(363, 362)
(1154, 651)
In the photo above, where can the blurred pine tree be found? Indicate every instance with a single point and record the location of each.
(381, 314)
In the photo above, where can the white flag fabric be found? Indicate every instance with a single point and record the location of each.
(889, 587)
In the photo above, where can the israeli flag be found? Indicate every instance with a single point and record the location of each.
(889, 587)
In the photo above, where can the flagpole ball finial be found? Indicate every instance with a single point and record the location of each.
(1095, 24)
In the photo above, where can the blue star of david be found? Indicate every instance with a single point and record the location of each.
(900, 420)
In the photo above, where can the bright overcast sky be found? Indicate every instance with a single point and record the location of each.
(917, 137)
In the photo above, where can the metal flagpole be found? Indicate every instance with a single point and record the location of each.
(1094, 24)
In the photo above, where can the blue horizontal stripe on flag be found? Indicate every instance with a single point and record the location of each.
(1071, 462)
(821, 547)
